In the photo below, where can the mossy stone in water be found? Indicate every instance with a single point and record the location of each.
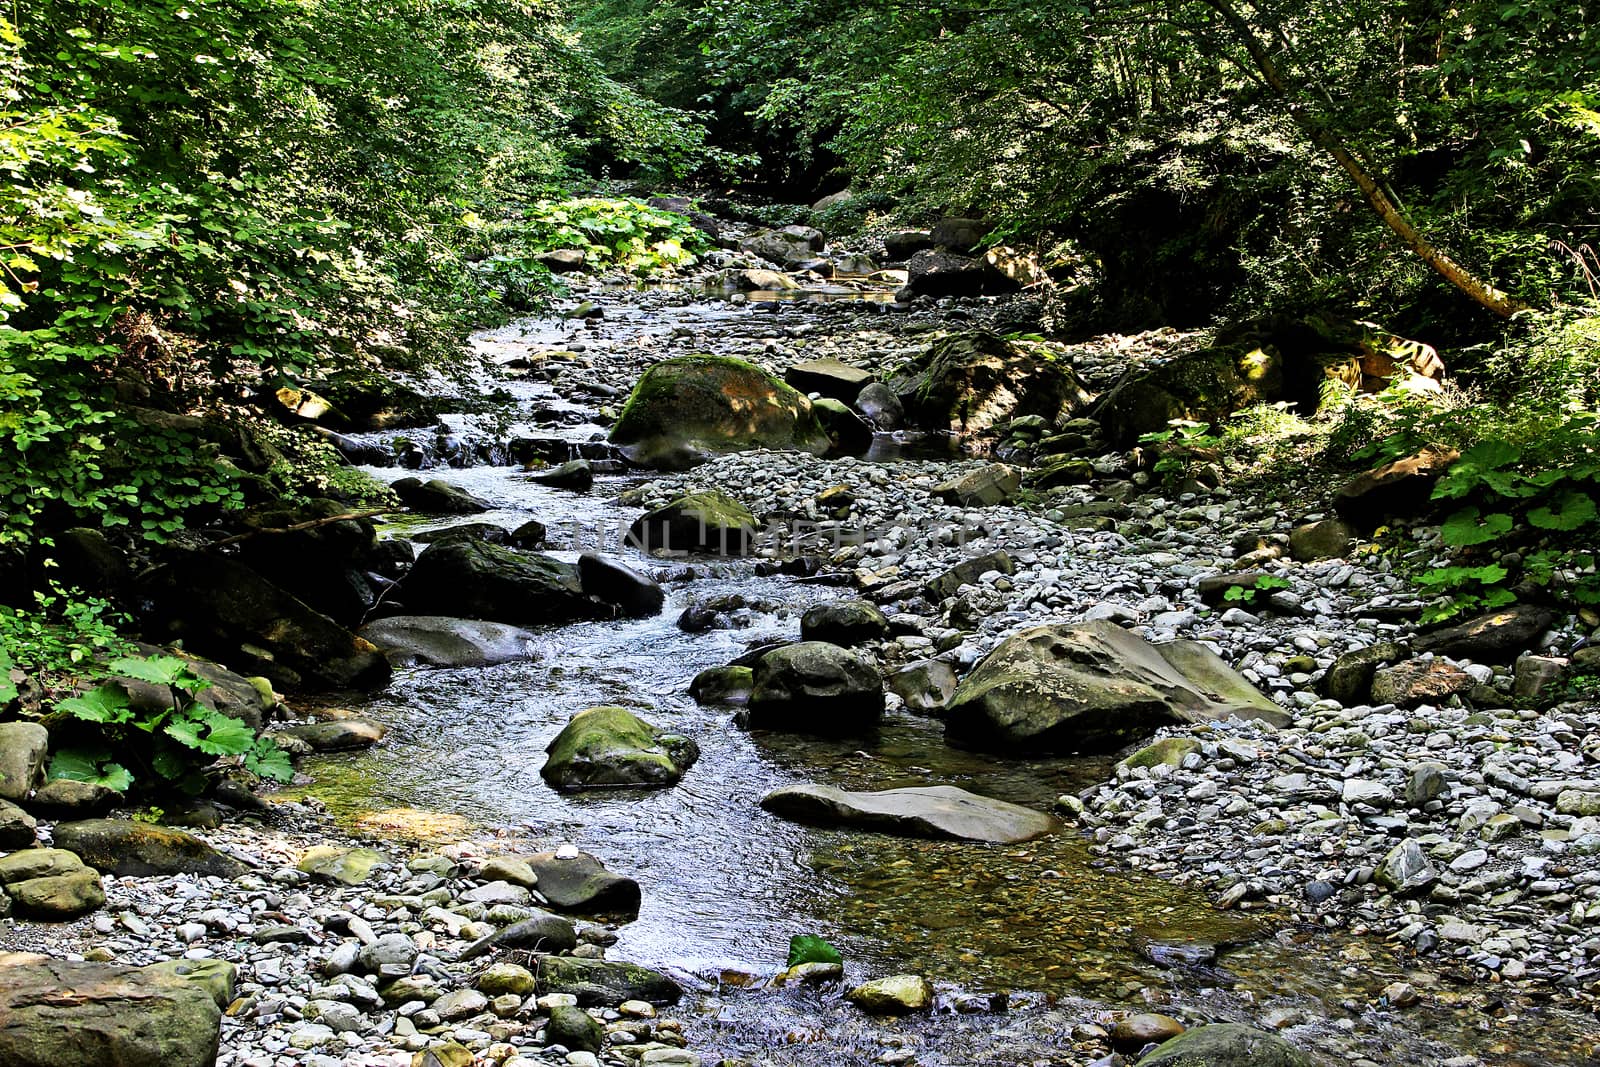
(1226, 1045)
(610, 747)
(1168, 752)
(685, 410)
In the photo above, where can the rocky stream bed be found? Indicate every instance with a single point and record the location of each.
(1376, 857)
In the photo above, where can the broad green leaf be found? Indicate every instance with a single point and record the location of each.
(1572, 511)
(213, 734)
(87, 765)
(269, 761)
(158, 670)
(808, 948)
(1464, 528)
(104, 704)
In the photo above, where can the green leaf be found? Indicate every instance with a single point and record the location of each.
(1464, 528)
(808, 948)
(105, 704)
(88, 765)
(269, 761)
(212, 733)
(1573, 510)
(158, 670)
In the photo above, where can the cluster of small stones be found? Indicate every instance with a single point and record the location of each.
(1494, 808)
(363, 974)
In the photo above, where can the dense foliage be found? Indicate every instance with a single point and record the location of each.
(201, 198)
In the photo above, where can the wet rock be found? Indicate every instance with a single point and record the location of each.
(925, 686)
(1418, 682)
(605, 983)
(975, 382)
(848, 433)
(1094, 687)
(815, 687)
(686, 409)
(880, 406)
(131, 849)
(437, 497)
(491, 532)
(323, 564)
(830, 377)
(1400, 489)
(632, 594)
(1226, 1045)
(699, 522)
(53, 1013)
(1198, 386)
(1136, 1031)
(23, 747)
(442, 641)
(574, 1029)
(580, 883)
(939, 811)
(995, 484)
(723, 685)
(219, 607)
(1494, 637)
(609, 747)
(968, 572)
(898, 994)
(575, 474)
(506, 978)
(483, 581)
(1328, 539)
(543, 933)
(339, 735)
(846, 623)
(530, 534)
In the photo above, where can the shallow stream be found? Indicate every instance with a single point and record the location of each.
(726, 884)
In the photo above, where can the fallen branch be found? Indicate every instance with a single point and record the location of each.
(307, 525)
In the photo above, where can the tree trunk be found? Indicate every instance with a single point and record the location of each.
(1324, 138)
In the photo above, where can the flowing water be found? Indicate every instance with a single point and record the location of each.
(726, 884)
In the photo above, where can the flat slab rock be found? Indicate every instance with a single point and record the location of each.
(940, 811)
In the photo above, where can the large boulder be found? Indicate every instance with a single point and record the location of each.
(902, 244)
(608, 747)
(221, 608)
(1094, 687)
(815, 687)
(575, 881)
(629, 594)
(1400, 489)
(1495, 637)
(687, 409)
(437, 497)
(937, 273)
(976, 382)
(845, 623)
(941, 811)
(788, 247)
(442, 641)
(54, 1012)
(1226, 1045)
(1198, 386)
(699, 522)
(248, 700)
(477, 580)
(322, 562)
(136, 849)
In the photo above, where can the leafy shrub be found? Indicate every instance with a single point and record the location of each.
(169, 748)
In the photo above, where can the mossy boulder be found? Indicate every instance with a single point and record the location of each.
(699, 522)
(816, 687)
(977, 382)
(723, 685)
(138, 850)
(687, 409)
(1198, 386)
(605, 983)
(1226, 1045)
(1094, 687)
(609, 747)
